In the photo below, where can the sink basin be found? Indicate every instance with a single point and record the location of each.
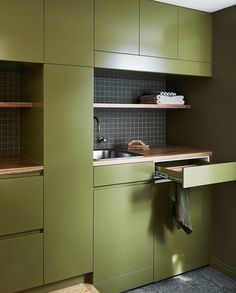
(112, 154)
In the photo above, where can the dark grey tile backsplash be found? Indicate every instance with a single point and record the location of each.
(9, 117)
(119, 126)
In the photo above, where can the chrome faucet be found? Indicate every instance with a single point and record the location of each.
(101, 138)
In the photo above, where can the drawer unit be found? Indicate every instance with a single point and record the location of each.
(21, 204)
(125, 173)
(21, 265)
(193, 173)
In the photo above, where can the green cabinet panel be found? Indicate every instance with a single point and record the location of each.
(69, 32)
(123, 237)
(21, 30)
(21, 204)
(117, 26)
(151, 64)
(124, 173)
(158, 29)
(68, 176)
(21, 265)
(174, 251)
(194, 35)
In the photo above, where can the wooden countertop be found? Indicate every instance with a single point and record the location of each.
(158, 154)
(17, 164)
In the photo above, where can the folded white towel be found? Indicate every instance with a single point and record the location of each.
(174, 98)
(161, 99)
(171, 102)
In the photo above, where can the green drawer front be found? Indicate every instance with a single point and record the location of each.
(21, 204)
(126, 173)
(21, 265)
(209, 174)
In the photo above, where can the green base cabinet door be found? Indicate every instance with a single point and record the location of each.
(117, 26)
(123, 237)
(194, 35)
(68, 173)
(69, 32)
(21, 204)
(21, 265)
(176, 252)
(21, 30)
(158, 29)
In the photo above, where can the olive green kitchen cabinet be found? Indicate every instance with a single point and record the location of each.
(123, 237)
(117, 26)
(21, 204)
(158, 29)
(69, 32)
(21, 30)
(176, 252)
(194, 35)
(21, 265)
(68, 173)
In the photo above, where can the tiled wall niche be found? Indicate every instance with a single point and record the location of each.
(9, 117)
(119, 126)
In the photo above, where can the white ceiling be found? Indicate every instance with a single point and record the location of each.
(204, 5)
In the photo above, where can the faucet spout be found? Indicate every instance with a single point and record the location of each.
(98, 123)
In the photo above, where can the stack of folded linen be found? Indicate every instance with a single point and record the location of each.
(162, 99)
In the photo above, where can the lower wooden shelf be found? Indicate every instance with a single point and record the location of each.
(18, 164)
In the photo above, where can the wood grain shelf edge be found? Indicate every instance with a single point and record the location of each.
(16, 105)
(140, 106)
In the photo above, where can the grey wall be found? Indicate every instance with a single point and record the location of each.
(120, 126)
(211, 124)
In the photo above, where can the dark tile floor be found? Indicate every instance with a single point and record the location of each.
(204, 280)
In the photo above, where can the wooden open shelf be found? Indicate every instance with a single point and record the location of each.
(140, 106)
(18, 164)
(15, 105)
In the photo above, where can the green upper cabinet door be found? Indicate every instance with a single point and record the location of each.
(68, 173)
(158, 29)
(69, 32)
(194, 35)
(117, 26)
(21, 30)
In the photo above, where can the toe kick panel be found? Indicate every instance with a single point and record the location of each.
(198, 173)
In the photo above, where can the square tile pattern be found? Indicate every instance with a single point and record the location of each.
(9, 117)
(120, 126)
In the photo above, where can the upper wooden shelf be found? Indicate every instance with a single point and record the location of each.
(140, 106)
(15, 105)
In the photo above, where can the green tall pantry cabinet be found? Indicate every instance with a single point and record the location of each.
(68, 175)
(69, 32)
(21, 30)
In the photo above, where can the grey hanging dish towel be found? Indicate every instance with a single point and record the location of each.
(179, 198)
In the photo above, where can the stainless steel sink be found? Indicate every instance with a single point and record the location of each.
(112, 154)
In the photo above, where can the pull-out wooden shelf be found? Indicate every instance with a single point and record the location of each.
(200, 173)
